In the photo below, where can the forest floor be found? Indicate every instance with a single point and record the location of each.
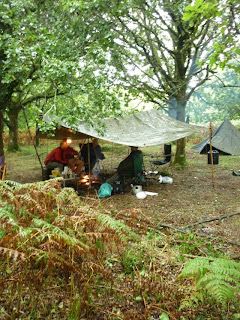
(191, 198)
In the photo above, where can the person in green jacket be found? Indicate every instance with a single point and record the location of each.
(129, 167)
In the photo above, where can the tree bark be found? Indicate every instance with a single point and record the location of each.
(13, 145)
(1, 133)
(37, 140)
(180, 156)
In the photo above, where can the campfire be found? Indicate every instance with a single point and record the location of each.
(85, 180)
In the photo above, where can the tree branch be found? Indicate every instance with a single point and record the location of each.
(198, 84)
(213, 219)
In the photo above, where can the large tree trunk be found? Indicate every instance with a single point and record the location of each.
(1, 133)
(13, 130)
(180, 156)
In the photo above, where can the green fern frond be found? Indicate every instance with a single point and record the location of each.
(195, 268)
(10, 185)
(58, 233)
(217, 278)
(191, 302)
(226, 267)
(6, 214)
(122, 230)
(233, 279)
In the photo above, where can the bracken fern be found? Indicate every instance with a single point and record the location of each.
(46, 230)
(219, 279)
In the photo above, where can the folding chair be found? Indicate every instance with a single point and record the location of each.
(136, 173)
(2, 168)
(167, 156)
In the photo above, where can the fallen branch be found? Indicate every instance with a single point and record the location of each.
(181, 230)
(161, 225)
(213, 219)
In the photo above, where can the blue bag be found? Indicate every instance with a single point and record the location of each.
(105, 190)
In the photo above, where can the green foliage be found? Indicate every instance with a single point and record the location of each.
(75, 310)
(216, 99)
(226, 14)
(46, 63)
(132, 260)
(164, 316)
(218, 279)
(123, 231)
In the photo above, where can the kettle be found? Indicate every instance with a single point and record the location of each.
(136, 189)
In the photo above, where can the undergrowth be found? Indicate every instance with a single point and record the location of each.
(63, 259)
(51, 243)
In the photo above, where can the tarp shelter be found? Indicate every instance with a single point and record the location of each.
(147, 128)
(225, 139)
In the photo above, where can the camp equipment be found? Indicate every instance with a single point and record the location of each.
(136, 189)
(105, 190)
(165, 179)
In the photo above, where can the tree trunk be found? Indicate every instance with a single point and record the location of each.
(1, 133)
(180, 156)
(37, 140)
(13, 130)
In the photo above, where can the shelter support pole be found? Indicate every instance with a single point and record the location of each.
(210, 136)
(82, 145)
(89, 169)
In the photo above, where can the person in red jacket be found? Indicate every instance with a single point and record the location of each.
(74, 163)
(56, 159)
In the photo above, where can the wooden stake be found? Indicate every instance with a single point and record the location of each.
(89, 163)
(210, 136)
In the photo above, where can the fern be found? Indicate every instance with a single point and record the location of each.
(47, 231)
(122, 230)
(217, 278)
(7, 215)
(58, 233)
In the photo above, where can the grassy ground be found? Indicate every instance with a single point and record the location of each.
(191, 198)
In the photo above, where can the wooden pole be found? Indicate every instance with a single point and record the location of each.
(211, 154)
(89, 163)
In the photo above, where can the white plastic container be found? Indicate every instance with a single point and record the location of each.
(165, 179)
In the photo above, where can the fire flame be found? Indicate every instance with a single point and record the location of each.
(85, 180)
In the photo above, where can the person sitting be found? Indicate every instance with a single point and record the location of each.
(129, 167)
(95, 153)
(56, 159)
(74, 164)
